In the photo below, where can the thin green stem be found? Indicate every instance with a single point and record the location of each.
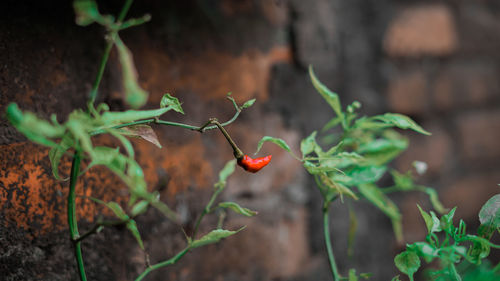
(98, 225)
(328, 243)
(453, 271)
(200, 129)
(496, 268)
(236, 150)
(206, 210)
(124, 10)
(72, 220)
(105, 55)
(100, 72)
(170, 261)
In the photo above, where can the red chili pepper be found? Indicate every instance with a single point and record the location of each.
(254, 165)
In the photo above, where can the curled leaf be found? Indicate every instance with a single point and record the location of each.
(213, 237)
(238, 209)
(169, 101)
(248, 103)
(135, 96)
(143, 131)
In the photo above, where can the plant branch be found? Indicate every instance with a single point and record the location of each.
(72, 220)
(200, 129)
(105, 55)
(206, 210)
(170, 261)
(328, 243)
(97, 226)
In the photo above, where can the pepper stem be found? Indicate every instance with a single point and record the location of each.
(238, 154)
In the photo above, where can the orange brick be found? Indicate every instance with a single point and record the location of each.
(421, 30)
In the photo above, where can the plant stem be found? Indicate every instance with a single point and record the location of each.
(453, 271)
(98, 225)
(72, 220)
(206, 210)
(105, 55)
(328, 243)
(496, 268)
(200, 129)
(124, 10)
(100, 72)
(236, 150)
(170, 261)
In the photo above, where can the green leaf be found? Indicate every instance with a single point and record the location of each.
(479, 250)
(408, 263)
(248, 103)
(139, 208)
(447, 221)
(490, 212)
(86, 12)
(352, 275)
(362, 175)
(336, 187)
(402, 181)
(373, 194)
(332, 123)
(135, 96)
(341, 160)
(238, 209)
(401, 121)
(57, 152)
(381, 151)
(111, 118)
(213, 237)
(225, 173)
(308, 144)
(432, 222)
(330, 97)
(143, 131)
(173, 102)
(117, 209)
(396, 278)
(279, 142)
(424, 250)
(163, 208)
(35, 129)
(132, 226)
(436, 204)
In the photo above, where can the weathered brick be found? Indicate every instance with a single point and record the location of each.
(465, 84)
(407, 93)
(422, 30)
(480, 134)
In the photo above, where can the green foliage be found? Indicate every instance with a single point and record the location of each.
(408, 263)
(248, 103)
(457, 250)
(213, 237)
(490, 212)
(169, 101)
(279, 142)
(75, 137)
(358, 154)
(238, 209)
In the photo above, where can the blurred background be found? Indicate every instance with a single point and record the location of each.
(436, 61)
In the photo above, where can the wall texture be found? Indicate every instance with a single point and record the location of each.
(436, 61)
